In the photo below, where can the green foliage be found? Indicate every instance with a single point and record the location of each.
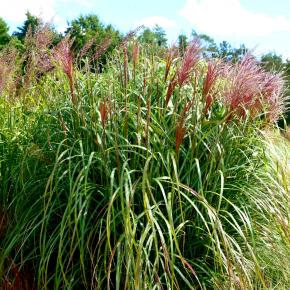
(30, 24)
(272, 62)
(155, 36)
(30, 28)
(90, 30)
(232, 54)
(223, 50)
(210, 47)
(182, 43)
(15, 42)
(4, 35)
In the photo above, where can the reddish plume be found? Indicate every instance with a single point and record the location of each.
(179, 135)
(43, 37)
(135, 55)
(273, 93)
(251, 88)
(38, 52)
(170, 89)
(104, 113)
(8, 58)
(102, 48)
(86, 47)
(63, 55)
(130, 35)
(213, 72)
(191, 57)
(171, 54)
(125, 66)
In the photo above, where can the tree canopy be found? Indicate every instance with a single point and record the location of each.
(155, 36)
(90, 30)
(4, 33)
(31, 23)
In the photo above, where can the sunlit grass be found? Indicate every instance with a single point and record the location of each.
(98, 194)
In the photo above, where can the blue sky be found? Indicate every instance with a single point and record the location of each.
(260, 24)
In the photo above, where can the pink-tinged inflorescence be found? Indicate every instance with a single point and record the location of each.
(8, 58)
(170, 89)
(171, 54)
(125, 66)
(63, 55)
(252, 89)
(102, 48)
(130, 35)
(273, 94)
(191, 57)
(183, 74)
(212, 74)
(86, 47)
(38, 49)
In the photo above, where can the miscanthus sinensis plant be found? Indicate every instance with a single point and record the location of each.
(153, 173)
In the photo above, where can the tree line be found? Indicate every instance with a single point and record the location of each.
(89, 34)
(90, 29)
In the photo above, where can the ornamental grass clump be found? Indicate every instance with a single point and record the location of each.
(154, 173)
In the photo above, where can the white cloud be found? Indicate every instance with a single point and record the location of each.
(159, 20)
(14, 10)
(227, 18)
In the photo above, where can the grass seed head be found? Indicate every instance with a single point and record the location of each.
(191, 58)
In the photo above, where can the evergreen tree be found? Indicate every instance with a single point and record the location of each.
(4, 35)
(31, 23)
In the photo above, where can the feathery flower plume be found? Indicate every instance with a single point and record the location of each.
(38, 44)
(43, 40)
(172, 84)
(135, 53)
(171, 54)
(130, 35)
(273, 93)
(63, 55)
(37, 57)
(102, 48)
(7, 67)
(213, 72)
(244, 87)
(191, 57)
(86, 47)
(43, 37)
(251, 88)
